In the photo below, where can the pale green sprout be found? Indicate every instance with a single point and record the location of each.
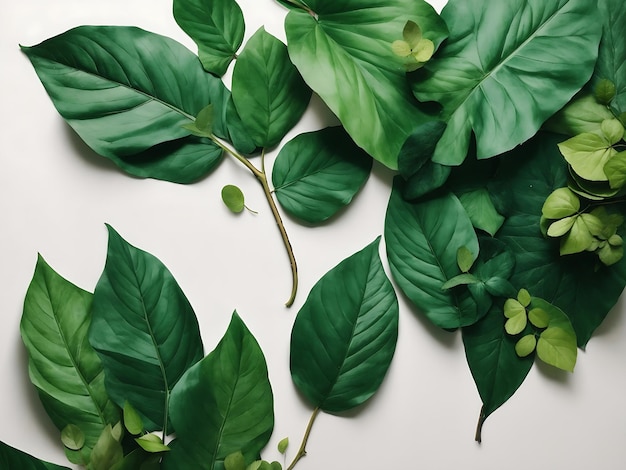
(413, 47)
(132, 421)
(73, 437)
(152, 443)
(203, 124)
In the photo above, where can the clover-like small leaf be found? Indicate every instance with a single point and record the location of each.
(604, 91)
(562, 202)
(523, 297)
(233, 198)
(465, 259)
(578, 239)
(516, 324)
(132, 421)
(424, 50)
(73, 437)
(283, 444)
(538, 317)
(513, 308)
(610, 254)
(613, 130)
(561, 227)
(401, 48)
(412, 33)
(526, 345)
(235, 461)
(152, 443)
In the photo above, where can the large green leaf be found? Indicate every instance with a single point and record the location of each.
(506, 68)
(268, 91)
(318, 173)
(574, 283)
(422, 241)
(345, 334)
(125, 91)
(62, 365)
(216, 26)
(11, 458)
(223, 404)
(344, 53)
(144, 330)
(612, 55)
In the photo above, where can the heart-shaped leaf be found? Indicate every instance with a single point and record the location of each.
(222, 405)
(144, 330)
(481, 211)
(560, 203)
(611, 63)
(318, 173)
(506, 69)
(345, 334)
(11, 458)
(62, 365)
(582, 114)
(557, 343)
(588, 153)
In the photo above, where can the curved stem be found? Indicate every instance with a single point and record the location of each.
(261, 177)
(302, 6)
(479, 427)
(302, 450)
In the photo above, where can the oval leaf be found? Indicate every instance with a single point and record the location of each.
(144, 330)
(11, 458)
(132, 420)
(561, 203)
(345, 334)
(318, 173)
(233, 198)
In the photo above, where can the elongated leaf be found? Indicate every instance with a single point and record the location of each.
(223, 404)
(216, 26)
(345, 334)
(268, 91)
(345, 55)
(612, 55)
(422, 242)
(318, 173)
(11, 458)
(506, 68)
(62, 365)
(125, 91)
(144, 330)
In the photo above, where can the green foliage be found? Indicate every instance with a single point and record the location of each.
(132, 421)
(11, 458)
(611, 63)
(233, 198)
(413, 47)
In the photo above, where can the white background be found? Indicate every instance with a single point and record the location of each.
(56, 195)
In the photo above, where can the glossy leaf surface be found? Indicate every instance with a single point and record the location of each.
(506, 68)
(318, 173)
(62, 365)
(345, 55)
(144, 330)
(216, 26)
(612, 55)
(11, 458)
(222, 405)
(422, 241)
(345, 334)
(268, 91)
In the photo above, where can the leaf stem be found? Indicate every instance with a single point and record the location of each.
(302, 450)
(303, 7)
(261, 177)
(479, 427)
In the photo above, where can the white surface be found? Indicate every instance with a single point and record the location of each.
(56, 196)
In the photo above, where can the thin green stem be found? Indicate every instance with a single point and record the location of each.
(302, 450)
(261, 177)
(302, 6)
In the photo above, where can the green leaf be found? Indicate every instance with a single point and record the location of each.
(513, 308)
(582, 114)
(107, 452)
(222, 405)
(516, 324)
(268, 91)
(460, 280)
(560, 203)
(481, 211)
(422, 241)
(283, 444)
(217, 27)
(523, 297)
(132, 420)
(233, 198)
(539, 317)
(615, 170)
(235, 461)
(557, 343)
(144, 330)
(587, 154)
(203, 124)
(62, 365)
(464, 259)
(561, 227)
(505, 70)
(138, 459)
(345, 334)
(347, 46)
(611, 63)
(604, 91)
(578, 239)
(151, 443)
(11, 458)
(418, 148)
(526, 345)
(318, 173)
(72, 437)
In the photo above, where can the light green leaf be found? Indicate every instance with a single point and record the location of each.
(481, 211)
(561, 227)
(11, 458)
(318, 173)
(592, 190)
(223, 404)
(610, 254)
(62, 365)
(557, 343)
(539, 317)
(151, 443)
(611, 63)
(526, 345)
(283, 444)
(587, 154)
(268, 92)
(615, 170)
(513, 308)
(578, 239)
(233, 198)
(216, 26)
(107, 452)
(72, 437)
(604, 91)
(523, 297)
(412, 33)
(132, 420)
(345, 334)
(582, 114)
(345, 54)
(506, 69)
(460, 280)
(464, 259)
(235, 461)
(144, 330)
(613, 130)
(516, 324)
(560, 203)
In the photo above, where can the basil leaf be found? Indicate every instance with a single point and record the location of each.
(612, 55)
(144, 330)
(345, 334)
(505, 70)
(222, 405)
(62, 365)
(318, 173)
(347, 46)
(12, 458)
(217, 27)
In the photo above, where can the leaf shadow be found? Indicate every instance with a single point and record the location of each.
(614, 320)
(88, 155)
(552, 373)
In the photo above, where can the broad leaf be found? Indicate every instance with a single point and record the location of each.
(344, 53)
(557, 343)
(506, 68)
(216, 26)
(11, 458)
(222, 405)
(612, 55)
(481, 211)
(582, 114)
(345, 334)
(268, 91)
(318, 173)
(62, 365)
(422, 242)
(561, 203)
(144, 330)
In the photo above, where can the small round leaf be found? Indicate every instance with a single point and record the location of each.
(235, 461)
(513, 308)
(526, 345)
(539, 317)
(561, 203)
(72, 437)
(516, 324)
(604, 91)
(283, 444)
(523, 297)
(233, 198)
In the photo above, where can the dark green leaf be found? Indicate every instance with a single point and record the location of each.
(345, 334)
(422, 241)
(347, 47)
(233, 198)
(222, 405)
(144, 330)
(612, 56)
(419, 148)
(506, 69)
(318, 173)
(268, 91)
(11, 458)
(62, 365)
(430, 176)
(216, 26)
